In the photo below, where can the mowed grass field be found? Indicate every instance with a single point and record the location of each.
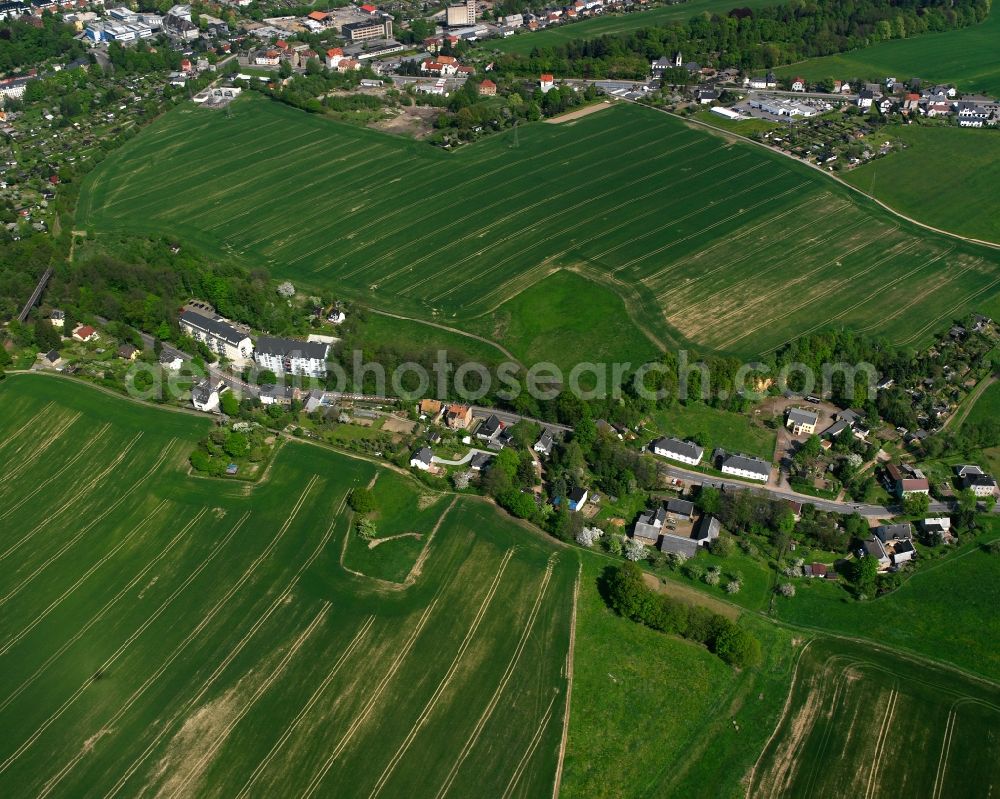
(524, 43)
(170, 635)
(969, 58)
(911, 180)
(861, 722)
(707, 241)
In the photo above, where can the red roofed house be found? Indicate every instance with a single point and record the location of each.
(85, 333)
(369, 8)
(911, 103)
(54, 179)
(487, 88)
(348, 65)
(281, 44)
(466, 70)
(546, 82)
(799, 85)
(902, 484)
(334, 56)
(448, 59)
(317, 16)
(186, 65)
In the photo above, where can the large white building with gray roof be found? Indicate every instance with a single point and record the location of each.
(680, 451)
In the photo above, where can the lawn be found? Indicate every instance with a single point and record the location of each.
(987, 406)
(945, 611)
(910, 180)
(711, 427)
(968, 58)
(523, 43)
(864, 722)
(162, 633)
(706, 241)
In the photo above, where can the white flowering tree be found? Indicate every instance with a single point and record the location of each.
(733, 587)
(286, 289)
(786, 589)
(589, 536)
(634, 550)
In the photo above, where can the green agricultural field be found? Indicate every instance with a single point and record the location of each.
(861, 721)
(987, 405)
(524, 43)
(948, 607)
(909, 181)
(707, 241)
(163, 633)
(969, 58)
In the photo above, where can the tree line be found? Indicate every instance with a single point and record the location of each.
(752, 39)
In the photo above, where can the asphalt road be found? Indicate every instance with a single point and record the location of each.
(876, 511)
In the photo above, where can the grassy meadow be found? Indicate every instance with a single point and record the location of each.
(164, 633)
(706, 241)
(946, 177)
(968, 58)
(864, 722)
(610, 24)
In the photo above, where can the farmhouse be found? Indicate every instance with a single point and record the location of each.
(458, 417)
(205, 397)
(220, 336)
(801, 421)
(577, 498)
(544, 444)
(284, 355)
(874, 548)
(422, 459)
(746, 467)
(902, 552)
(649, 525)
(86, 333)
(707, 530)
(171, 361)
(681, 451)
(275, 394)
(487, 88)
(974, 478)
(681, 507)
(911, 482)
(894, 532)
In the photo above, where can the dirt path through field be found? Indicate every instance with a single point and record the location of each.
(582, 112)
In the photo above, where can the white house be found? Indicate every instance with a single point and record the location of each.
(205, 397)
(746, 467)
(799, 85)
(801, 421)
(544, 444)
(546, 82)
(171, 362)
(220, 336)
(422, 459)
(676, 450)
(285, 355)
(334, 56)
(57, 319)
(903, 552)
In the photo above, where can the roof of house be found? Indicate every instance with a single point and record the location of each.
(874, 548)
(202, 391)
(458, 410)
(84, 331)
(334, 51)
(487, 83)
(215, 327)
(546, 78)
(837, 428)
(894, 532)
(168, 357)
(127, 350)
(577, 494)
(490, 427)
(819, 568)
(52, 356)
(319, 16)
(747, 464)
(544, 441)
(479, 460)
(289, 347)
(423, 455)
(979, 480)
(802, 416)
(970, 469)
(680, 506)
(708, 528)
(905, 546)
(685, 449)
